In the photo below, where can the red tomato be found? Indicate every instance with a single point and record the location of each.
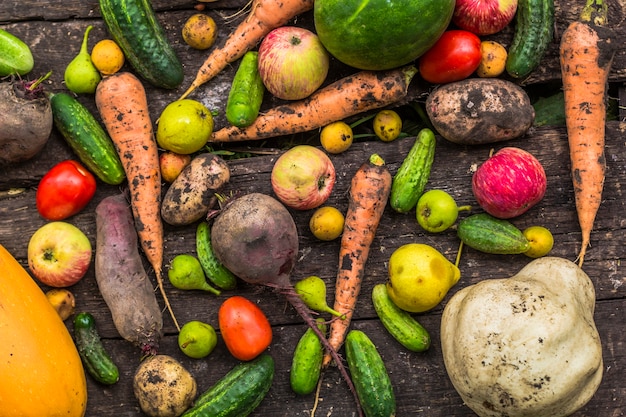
(244, 328)
(65, 190)
(455, 56)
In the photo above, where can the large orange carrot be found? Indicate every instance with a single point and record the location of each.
(264, 16)
(122, 103)
(586, 53)
(354, 94)
(369, 193)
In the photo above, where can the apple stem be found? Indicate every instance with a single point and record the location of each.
(464, 208)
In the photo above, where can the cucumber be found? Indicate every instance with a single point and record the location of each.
(246, 92)
(306, 365)
(136, 29)
(238, 393)
(489, 234)
(399, 323)
(87, 138)
(217, 273)
(534, 30)
(95, 358)
(369, 375)
(410, 181)
(15, 56)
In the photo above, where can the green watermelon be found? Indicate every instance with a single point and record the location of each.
(380, 34)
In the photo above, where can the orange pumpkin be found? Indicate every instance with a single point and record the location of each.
(42, 375)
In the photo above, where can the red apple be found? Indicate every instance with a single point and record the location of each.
(59, 254)
(484, 17)
(293, 63)
(303, 177)
(509, 183)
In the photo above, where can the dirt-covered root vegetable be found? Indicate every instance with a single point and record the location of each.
(163, 387)
(121, 277)
(476, 111)
(26, 120)
(525, 345)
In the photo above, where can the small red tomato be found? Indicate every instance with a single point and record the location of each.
(244, 328)
(455, 56)
(65, 190)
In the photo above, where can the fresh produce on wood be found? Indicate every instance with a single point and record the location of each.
(326, 223)
(197, 339)
(380, 35)
(454, 57)
(509, 183)
(244, 328)
(336, 137)
(96, 359)
(303, 177)
(199, 31)
(489, 234)
(246, 92)
(122, 103)
(15, 55)
(411, 178)
(59, 254)
(191, 195)
(172, 164)
(121, 277)
(493, 59)
(136, 29)
(387, 125)
(81, 76)
(347, 97)
(214, 270)
(437, 211)
(477, 111)
(63, 301)
(264, 16)
(256, 238)
(484, 17)
(239, 392)
(369, 192)
(64, 190)
(87, 138)
(399, 323)
(540, 239)
(293, 63)
(39, 355)
(587, 50)
(534, 30)
(306, 365)
(370, 376)
(163, 387)
(185, 273)
(419, 277)
(107, 57)
(26, 120)
(550, 110)
(536, 326)
(184, 126)
(312, 290)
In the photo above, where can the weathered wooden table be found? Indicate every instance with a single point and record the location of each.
(54, 30)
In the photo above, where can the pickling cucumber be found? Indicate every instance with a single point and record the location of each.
(15, 56)
(95, 358)
(489, 234)
(217, 273)
(246, 92)
(306, 365)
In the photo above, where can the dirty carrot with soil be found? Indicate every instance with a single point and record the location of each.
(123, 106)
(586, 53)
(354, 94)
(264, 16)
(369, 193)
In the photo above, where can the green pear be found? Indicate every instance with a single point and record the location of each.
(186, 273)
(197, 339)
(312, 290)
(81, 76)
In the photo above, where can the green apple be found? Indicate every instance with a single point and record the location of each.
(437, 211)
(184, 126)
(197, 339)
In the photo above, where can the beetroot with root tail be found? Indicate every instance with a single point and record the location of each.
(256, 238)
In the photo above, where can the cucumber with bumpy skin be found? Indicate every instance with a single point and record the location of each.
(217, 273)
(96, 360)
(246, 92)
(306, 365)
(489, 234)
(15, 56)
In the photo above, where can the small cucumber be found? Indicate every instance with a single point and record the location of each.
(97, 361)
(306, 366)
(246, 92)
(87, 138)
(217, 273)
(489, 234)
(534, 30)
(399, 323)
(15, 56)
(410, 180)
(369, 375)
(238, 393)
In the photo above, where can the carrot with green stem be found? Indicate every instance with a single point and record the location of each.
(587, 49)
(123, 106)
(369, 193)
(354, 94)
(264, 16)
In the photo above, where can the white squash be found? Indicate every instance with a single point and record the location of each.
(525, 346)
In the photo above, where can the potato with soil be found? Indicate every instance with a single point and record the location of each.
(192, 193)
(478, 111)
